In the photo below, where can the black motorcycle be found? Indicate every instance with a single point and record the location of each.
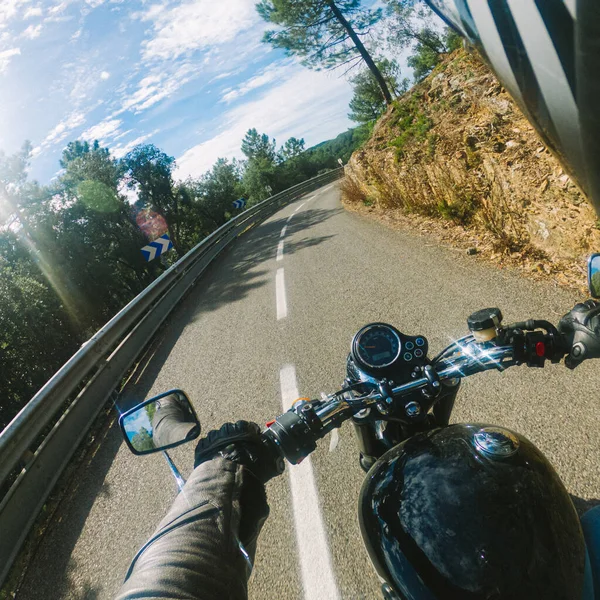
(466, 511)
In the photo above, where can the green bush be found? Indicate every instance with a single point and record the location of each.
(414, 125)
(461, 211)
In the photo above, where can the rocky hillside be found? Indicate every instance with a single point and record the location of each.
(457, 158)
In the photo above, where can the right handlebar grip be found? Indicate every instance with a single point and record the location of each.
(292, 436)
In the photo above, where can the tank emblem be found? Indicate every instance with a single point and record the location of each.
(495, 442)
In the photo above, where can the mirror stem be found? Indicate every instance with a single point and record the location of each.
(178, 478)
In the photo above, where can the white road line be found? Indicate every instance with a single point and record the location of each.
(299, 207)
(280, 250)
(283, 231)
(290, 218)
(318, 579)
(280, 294)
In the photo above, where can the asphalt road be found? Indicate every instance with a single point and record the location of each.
(226, 347)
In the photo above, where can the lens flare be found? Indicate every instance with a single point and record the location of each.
(151, 223)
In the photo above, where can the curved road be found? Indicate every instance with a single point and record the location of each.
(265, 324)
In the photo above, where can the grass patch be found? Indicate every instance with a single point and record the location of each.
(432, 140)
(412, 123)
(461, 211)
(446, 190)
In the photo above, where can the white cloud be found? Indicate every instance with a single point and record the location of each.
(9, 9)
(32, 31)
(81, 79)
(55, 13)
(103, 131)
(308, 104)
(60, 131)
(269, 75)
(94, 3)
(156, 87)
(122, 134)
(33, 12)
(227, 74)
(104, 75)
(5, 57)
(195, 25)
(121, 150)
(58, 8)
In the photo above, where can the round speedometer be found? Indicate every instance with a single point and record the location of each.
(376, 346)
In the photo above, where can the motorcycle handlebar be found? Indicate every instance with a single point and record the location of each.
(294, 434)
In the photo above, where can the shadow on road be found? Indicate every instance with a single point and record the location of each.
(236, 274)
(52, 572)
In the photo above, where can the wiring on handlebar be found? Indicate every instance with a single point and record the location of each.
(532, 325)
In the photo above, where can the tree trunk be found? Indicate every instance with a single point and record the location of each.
(362, 50)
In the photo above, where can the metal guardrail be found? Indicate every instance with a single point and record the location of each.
(99, 366)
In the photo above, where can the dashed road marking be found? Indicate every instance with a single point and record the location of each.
(316, 568)
(280, 295)
(280, 250)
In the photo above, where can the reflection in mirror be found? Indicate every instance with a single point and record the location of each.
(162, 422)
(594, 275)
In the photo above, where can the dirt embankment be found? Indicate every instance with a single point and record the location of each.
(456, 158)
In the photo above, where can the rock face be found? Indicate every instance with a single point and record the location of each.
(457, 148)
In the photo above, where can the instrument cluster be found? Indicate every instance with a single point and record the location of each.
(379, 349)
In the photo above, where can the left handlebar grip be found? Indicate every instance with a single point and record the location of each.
(292, 436)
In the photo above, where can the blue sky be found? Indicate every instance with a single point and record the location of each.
(136, 421)
(190, 76)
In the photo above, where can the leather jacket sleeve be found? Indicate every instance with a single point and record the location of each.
(195, 552)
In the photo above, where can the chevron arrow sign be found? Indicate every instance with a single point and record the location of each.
(239, 203)
(157, 247)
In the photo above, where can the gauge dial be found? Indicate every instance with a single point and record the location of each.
(376, 346)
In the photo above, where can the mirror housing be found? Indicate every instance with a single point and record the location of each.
(162, 422)
(594, 274)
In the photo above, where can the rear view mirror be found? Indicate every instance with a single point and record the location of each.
(162, 422)
(594, 275)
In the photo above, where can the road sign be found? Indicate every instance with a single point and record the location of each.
(157, 247)
(269, 189)
(239, 203)
(341, 162)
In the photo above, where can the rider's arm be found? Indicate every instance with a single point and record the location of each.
(195, 552)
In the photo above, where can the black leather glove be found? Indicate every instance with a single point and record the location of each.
(241, 443)
(581, 331)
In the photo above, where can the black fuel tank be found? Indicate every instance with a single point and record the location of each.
(471, 512)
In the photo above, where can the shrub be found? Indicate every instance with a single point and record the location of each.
(352, 192)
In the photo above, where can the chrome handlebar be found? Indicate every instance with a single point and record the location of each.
(295, 433)
(471, 359)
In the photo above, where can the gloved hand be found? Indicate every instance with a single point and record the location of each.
(241, 443)
(581, 330)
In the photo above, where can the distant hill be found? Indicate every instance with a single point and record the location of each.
(341, 146)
